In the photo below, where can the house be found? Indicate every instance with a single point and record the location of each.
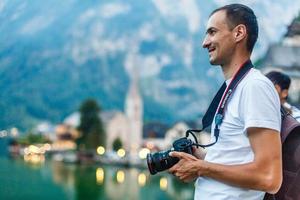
(285, 57)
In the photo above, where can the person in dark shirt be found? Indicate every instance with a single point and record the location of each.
(282, 84)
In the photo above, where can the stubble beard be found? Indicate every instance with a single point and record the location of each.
(214, 61)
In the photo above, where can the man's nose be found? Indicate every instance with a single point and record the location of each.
(205, 42)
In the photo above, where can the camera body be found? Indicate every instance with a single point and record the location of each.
(161, 161)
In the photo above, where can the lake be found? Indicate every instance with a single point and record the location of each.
(22, 180)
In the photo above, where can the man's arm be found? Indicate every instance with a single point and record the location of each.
(263, 173)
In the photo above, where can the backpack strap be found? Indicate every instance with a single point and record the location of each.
(290, 139)
(288, 124)
(218, 105)
(221, 99)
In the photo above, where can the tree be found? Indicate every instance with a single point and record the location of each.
(117, 144)
(31, 138)
(91, 128)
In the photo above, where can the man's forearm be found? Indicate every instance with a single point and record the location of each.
(263, 173)
(249, 175)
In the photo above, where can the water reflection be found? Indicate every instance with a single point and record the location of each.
(163, 183)
(93, 182)
(100, 176)
(116, 183)
(142, 179)
(120, 176)
(34, 158)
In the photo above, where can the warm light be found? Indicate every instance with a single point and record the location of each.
(100, 150)
(47, 147)
(163, 183)
(150, 145)
(34, 158)
(142, 179)
(34, 149)
(27, 158)
(42, 150)
(121, 153)
(100, 175)
(120, 176)
(143, 153)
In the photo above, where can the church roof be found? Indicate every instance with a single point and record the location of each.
(294, 28)
(281, 56)
(285, 56)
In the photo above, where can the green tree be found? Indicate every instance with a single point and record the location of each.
(31, 138)
(91, 128)
(117, 144)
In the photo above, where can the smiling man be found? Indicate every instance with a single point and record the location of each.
(245, 162)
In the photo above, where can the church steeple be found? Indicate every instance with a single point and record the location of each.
(134, 112)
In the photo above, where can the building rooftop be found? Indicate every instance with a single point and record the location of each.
(284, 58)
(294, 28)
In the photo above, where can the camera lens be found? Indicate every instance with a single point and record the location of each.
(160, 161)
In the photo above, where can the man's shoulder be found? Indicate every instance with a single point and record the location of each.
(258, 87)
(255, 74)
(256, 79)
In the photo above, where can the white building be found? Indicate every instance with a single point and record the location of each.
(127, 126)
(134, 114)
(116, 126)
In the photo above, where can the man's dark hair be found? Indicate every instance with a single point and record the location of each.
(280, 79)
(240, 14)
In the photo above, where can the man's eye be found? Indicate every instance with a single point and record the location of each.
(211, 32)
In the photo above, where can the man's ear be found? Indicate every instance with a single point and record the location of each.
(278, 88)
(240, 32)
(285, 93)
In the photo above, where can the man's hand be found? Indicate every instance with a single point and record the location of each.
(187, 169)
(263, 173)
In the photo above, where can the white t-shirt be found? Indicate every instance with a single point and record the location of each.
(254, 103)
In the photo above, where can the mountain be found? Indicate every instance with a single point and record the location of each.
(54, 54)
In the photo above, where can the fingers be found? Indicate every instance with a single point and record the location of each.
(182, 155)
(176, 154)
(173, 169)
(184, 177)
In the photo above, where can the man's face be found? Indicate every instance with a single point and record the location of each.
(283, 93)
(219, 40)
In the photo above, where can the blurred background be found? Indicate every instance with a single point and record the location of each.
(88, 88)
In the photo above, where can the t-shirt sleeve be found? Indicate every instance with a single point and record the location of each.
(260, 105)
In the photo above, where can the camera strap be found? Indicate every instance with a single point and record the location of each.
(219, 102)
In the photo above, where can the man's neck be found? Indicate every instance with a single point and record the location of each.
(230, 69)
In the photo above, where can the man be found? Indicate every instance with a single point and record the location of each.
(246, 160)
(282, 84)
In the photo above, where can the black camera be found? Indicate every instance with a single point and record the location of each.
(161, 161)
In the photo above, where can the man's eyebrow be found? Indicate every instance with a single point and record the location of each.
(210, 29)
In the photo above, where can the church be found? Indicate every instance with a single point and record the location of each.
(127, 126)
